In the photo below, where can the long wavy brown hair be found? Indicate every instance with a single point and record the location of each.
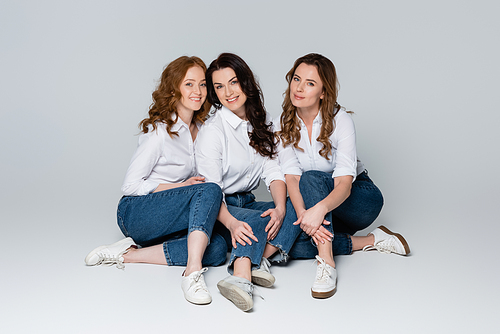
(167, 95)
(262, 138)
(290, 126)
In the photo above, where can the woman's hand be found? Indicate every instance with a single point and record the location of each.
(312, 220)
(188, 182)
(277, 216)
(241, 233)
(194, 180)
(322, 234)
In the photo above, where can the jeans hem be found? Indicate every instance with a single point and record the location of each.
(167, 255)
(199, 228)
(350, 244)
(234, 257)
(281, 256)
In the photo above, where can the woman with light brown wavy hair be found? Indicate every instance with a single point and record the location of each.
(328, 185)
(167, 208)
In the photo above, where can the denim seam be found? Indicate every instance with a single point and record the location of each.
(365, 186)
(171, 192)
(200, 227)
(121, 222)
(350, 244)
(167, 255)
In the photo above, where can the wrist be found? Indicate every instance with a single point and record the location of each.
(300, 212)
(281, 208)
(322, 208)
(231, 222)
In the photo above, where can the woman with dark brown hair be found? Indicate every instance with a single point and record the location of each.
(237, 148)
(328, 185)
(167, 208)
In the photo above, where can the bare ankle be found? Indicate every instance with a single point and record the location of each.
(269, 251)
(242, 267)
(129, 255)
(329, 261)
(191, 269)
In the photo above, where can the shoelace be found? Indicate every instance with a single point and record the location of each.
(322, 273)
(251, 289)
(109, 260)
(256, 292)
(265, 265)
(247, 287)
(385, 246)
(198, 281)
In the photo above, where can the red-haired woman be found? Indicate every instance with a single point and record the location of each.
(168, 209)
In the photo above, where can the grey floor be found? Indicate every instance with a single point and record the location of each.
(421, 77)
(446, 285)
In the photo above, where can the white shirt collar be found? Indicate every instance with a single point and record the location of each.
(179, 124)
(317, 119)
(230, 117)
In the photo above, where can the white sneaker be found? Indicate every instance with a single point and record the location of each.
(388, 242)
(238, 290)
(263, 276)
(194, 288)
(110, 254)
(325, 283)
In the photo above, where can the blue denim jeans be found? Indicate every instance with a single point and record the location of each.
(357, 212)
(243, 206)
(287, 235)
(169, 216)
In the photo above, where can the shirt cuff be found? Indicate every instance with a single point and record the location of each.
(148, 187)
(293, 171)
(273, 178)
(344, 172)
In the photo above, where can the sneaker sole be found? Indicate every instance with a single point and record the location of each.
(263, 279)
(198, 302)
(400, 238)
(98, 249)
(237, 296)
(323, 295)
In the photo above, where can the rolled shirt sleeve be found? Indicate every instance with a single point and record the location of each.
(345, 150)
(160, 159)
(144, 159)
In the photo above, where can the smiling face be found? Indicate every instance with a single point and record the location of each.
(193, 90)
(306, 88)
(228, 90)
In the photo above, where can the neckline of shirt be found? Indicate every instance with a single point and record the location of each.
(231, 117)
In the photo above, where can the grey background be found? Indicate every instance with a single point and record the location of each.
(422, 77)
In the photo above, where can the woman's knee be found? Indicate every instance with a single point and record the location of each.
(212, 190)
(314, 180)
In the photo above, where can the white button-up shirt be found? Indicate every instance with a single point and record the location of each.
(160, 158)
(224, 156)
(343, 158)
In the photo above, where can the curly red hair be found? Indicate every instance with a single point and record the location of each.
(167, 95)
